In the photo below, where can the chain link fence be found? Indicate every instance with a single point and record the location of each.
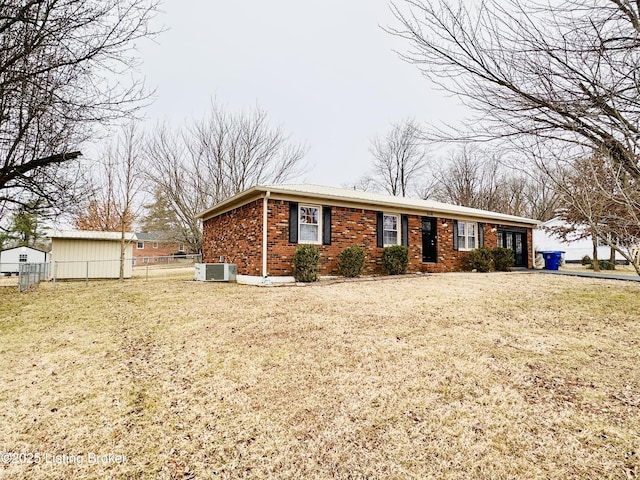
(30, 274)
(145, 267)
(140, 267)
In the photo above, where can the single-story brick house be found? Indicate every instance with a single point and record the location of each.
(260, 228)
(151, 245)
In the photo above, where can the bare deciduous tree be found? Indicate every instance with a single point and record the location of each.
(471, 179)
(180, 179)
(561, 71)
(215, 158)
(602, 201)
(398, 159)
(113, 204)
(479, 179)
(65, 67)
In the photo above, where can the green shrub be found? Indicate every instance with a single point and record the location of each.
(305, 263)
(351, 261)
(603, 264)
(586, 261)
(395, 260)
(481, 259)
(503, 259)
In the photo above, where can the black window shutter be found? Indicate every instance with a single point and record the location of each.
(480, 234)
(380, 229)
(455, 235)
(404, 221)
(326, 225)
(293, 222)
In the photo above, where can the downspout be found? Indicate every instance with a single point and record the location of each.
(264, 234)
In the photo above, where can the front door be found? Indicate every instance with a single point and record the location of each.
(516, 241)
(429, 240)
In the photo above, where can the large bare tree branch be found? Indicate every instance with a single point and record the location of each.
(65, 68)
(564, 71)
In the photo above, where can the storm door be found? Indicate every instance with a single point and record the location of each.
(516, 241)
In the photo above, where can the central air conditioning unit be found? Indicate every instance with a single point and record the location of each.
(215, 272)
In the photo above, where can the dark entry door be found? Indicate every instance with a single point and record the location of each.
(429, 240)
(516, 241)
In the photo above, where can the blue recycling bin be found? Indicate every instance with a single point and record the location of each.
(552, 260)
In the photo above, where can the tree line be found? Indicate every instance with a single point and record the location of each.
(467, 175)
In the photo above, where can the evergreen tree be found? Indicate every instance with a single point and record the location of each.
(160, 216)
(25, 227)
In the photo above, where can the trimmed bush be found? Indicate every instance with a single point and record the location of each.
(351, 261)
(305, 263)
(586, 261)
(481, 259)
(503, 259)
(395, 260)
(604, 265)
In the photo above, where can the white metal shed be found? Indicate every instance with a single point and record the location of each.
(77, 254)
(11, 258)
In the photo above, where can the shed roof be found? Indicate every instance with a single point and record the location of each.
(375, 200)
(23, 247)
(91, 235)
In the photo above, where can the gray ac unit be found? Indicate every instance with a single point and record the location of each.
(215, 272)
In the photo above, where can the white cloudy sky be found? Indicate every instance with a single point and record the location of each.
(323, 69)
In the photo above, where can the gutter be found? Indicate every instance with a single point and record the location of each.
(265, 202)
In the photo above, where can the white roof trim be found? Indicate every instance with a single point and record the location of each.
(347, 195)
(23, 248)
(91, 235)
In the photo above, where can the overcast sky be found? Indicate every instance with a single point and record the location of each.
(322, 69)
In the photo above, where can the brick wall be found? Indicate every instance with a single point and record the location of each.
(356, 226)
(164, 249)
(350, 226)
(237, 235)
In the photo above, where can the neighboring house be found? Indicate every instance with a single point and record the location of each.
(11, 258)
(86, 254)
(575, 248)
(259, 230)
(151, 245)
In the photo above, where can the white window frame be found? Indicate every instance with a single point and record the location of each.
(463, 238)
(398, 229)
(181, 247)
(155, 244)
(318, 239)
(23, 257)
(140, 245)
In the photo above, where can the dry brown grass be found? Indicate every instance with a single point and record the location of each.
(443, 376)
(619, 270)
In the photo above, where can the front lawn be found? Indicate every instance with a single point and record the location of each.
(441, 376)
